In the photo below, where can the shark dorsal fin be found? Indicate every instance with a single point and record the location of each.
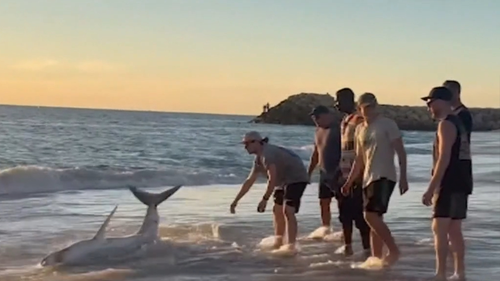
(101, 233)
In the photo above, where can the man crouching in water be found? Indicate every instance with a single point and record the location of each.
(351, 205)
(286, 177)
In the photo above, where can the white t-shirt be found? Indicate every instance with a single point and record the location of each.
(374, 143)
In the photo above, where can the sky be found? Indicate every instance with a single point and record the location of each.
(233, 56)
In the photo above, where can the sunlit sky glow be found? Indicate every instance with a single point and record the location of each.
(228, 56)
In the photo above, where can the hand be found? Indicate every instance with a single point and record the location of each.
(346, 188)
(261, 208)
(427, 197)
(232, 208)
(403, 185)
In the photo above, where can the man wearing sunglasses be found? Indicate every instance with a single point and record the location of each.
(286, 178)
(451, 182)
(378, 138)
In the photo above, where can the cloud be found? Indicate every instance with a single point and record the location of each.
(36, 65)
(90, 66)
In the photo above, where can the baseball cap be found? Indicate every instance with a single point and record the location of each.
(367, 99)
(439, 93)
(251, 136)
(319, 110)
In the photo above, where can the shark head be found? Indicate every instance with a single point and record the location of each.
(70, 254)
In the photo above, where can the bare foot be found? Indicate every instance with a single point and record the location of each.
(348, 250)
(457, 277)
(287, 250)
(289, 247)
(278, 242)
(438, 277)
(391, 258)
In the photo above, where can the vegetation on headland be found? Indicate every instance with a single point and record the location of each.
(295, 111)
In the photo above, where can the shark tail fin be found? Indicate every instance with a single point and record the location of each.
(101, 233)
(153, 199)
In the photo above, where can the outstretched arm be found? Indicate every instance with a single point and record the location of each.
(247, 184)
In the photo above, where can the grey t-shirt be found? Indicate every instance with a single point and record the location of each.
(374, 144)
(328, 144)
(289, 166)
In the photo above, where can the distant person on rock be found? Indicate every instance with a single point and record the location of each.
(286, 178)
(378, 138)
(458, 107)
(326, 154)
(351, 206)
(451, 182)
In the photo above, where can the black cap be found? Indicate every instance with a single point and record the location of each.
(319, 110)
(439, 93)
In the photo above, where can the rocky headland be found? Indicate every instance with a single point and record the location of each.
(295, 111)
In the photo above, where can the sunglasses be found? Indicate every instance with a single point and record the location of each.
(429, 102)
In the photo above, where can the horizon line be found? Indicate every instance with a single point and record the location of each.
(121, 109)
(187, 112)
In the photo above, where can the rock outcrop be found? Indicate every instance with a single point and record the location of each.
(295, 111)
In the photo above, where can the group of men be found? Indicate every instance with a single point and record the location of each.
(356, 161)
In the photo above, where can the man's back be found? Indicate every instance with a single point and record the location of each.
(289, 166)
(466, 117)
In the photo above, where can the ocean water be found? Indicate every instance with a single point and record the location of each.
(63, 170)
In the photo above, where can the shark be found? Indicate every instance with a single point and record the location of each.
(101, 247)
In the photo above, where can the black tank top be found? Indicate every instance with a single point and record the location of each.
(458, 176)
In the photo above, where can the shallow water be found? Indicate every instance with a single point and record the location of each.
(64, 170)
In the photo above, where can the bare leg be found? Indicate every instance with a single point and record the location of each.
(364, 231)
(382, 232)
(279, 225)
(440, 227)
(291, 223)
(347, 231)
(458, 248)
(326, 215)
(377, 245)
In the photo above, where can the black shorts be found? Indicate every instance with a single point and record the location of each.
(325, 188)
(451, 205)
(377, 196)
(351, 208)
(290, 194)
(324, 191)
